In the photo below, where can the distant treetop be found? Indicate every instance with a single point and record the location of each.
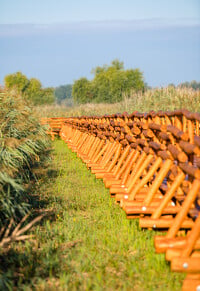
(63, 92)
(193, 84)
(30, 89)
(108, 85)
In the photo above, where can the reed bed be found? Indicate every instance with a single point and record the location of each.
(24, 149)
(169, 98)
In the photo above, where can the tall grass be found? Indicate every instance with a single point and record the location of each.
(24, 149)
(156, 99)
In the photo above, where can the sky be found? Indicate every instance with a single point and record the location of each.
(59, 41)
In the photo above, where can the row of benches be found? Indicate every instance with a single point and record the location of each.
(151, 165)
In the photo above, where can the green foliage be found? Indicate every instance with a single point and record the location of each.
(81, 91)
(23, 151)
(108, 85)
(16, 81)
(117, 64)
(48, 96)
(30, 89)
(63, 92)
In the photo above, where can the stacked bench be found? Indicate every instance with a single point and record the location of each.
(151, 164)
(54, 125)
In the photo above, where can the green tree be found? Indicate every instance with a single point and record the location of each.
(63, 92)
(108, 84)
(16, 81)
(29, 89)
(134, 80)
(98, 70)
(101, 88)
(81, 91)
(47, 96)
(33, 90)
(117, 64)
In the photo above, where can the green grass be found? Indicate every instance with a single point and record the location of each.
(90, 245)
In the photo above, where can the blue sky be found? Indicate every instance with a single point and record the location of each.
(52, 11)
(61, 41)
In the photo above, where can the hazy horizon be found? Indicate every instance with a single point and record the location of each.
(64, 42)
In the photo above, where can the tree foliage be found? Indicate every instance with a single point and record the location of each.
(82, 91)
(63, 92)
(108, 85)
(30, 89)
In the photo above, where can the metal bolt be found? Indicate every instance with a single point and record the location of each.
(173, 204)
(126, 197)
(154, 226)
(185, 265)
(144, 208)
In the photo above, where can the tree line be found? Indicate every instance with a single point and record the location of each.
(193, 84)
(29, 89)
(109, 85)
(63, 93)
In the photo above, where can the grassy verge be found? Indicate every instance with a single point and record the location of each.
(90, 245)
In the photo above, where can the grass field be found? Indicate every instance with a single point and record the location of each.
(89, 244)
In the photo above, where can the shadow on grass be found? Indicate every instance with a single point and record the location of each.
(21, 262)
(37, 199)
